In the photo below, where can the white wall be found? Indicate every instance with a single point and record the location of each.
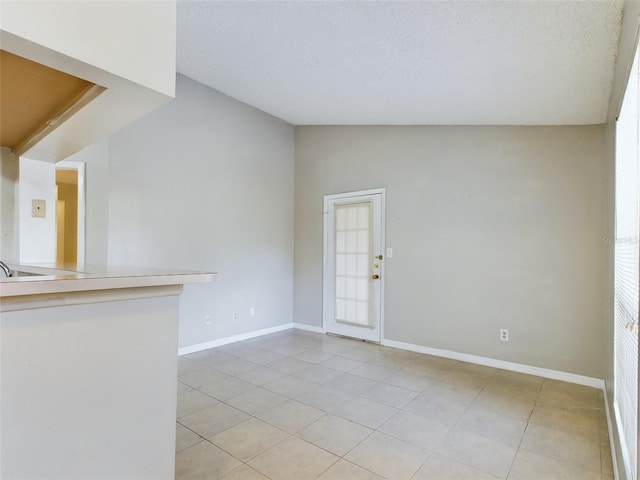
(37, 235)
(70, 37)
(492, 227)
(88, 386)
(206, 183)
(135, 30)
(9, 222)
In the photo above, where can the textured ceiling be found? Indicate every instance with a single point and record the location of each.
(407, 63)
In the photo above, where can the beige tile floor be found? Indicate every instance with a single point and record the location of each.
(299, 405)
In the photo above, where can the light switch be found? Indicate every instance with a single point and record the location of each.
(389, 252)
(38, 208)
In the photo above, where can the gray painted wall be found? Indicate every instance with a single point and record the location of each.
(206, 183)
(492, 227)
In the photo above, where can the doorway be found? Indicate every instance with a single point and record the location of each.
(70, 213)
(353, 278)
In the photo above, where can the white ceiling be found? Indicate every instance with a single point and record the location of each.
(494, 62)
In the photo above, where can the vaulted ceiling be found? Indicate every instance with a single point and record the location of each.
(508, 62)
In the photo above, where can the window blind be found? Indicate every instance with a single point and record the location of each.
(626, 284)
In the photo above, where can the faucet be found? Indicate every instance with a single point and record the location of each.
(5, 268)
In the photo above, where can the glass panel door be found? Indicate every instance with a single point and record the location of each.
(353, 264)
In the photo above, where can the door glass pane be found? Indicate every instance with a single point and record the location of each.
(353, 256)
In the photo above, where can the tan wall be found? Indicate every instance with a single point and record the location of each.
(9, 176)
(96, 159)
(68, 193)
(492, 227)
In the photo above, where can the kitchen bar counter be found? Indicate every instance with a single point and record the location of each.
(59, 279)
(88, 368)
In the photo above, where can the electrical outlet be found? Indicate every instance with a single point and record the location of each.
(252, 311)
(235, 315)
(504, 334)
(207, 320)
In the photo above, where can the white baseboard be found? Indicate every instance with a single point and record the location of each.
(308, 328)
(235, 338)
(491, 362)
(612, 443)
(246, 336)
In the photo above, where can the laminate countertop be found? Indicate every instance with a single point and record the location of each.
(50, 279)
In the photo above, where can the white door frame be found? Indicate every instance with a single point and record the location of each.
(82, 206)
(326, 282)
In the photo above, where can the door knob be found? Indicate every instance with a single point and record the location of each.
(375, 277)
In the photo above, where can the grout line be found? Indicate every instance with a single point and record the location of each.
(524, 432)
(458, 421)
(397, 369)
